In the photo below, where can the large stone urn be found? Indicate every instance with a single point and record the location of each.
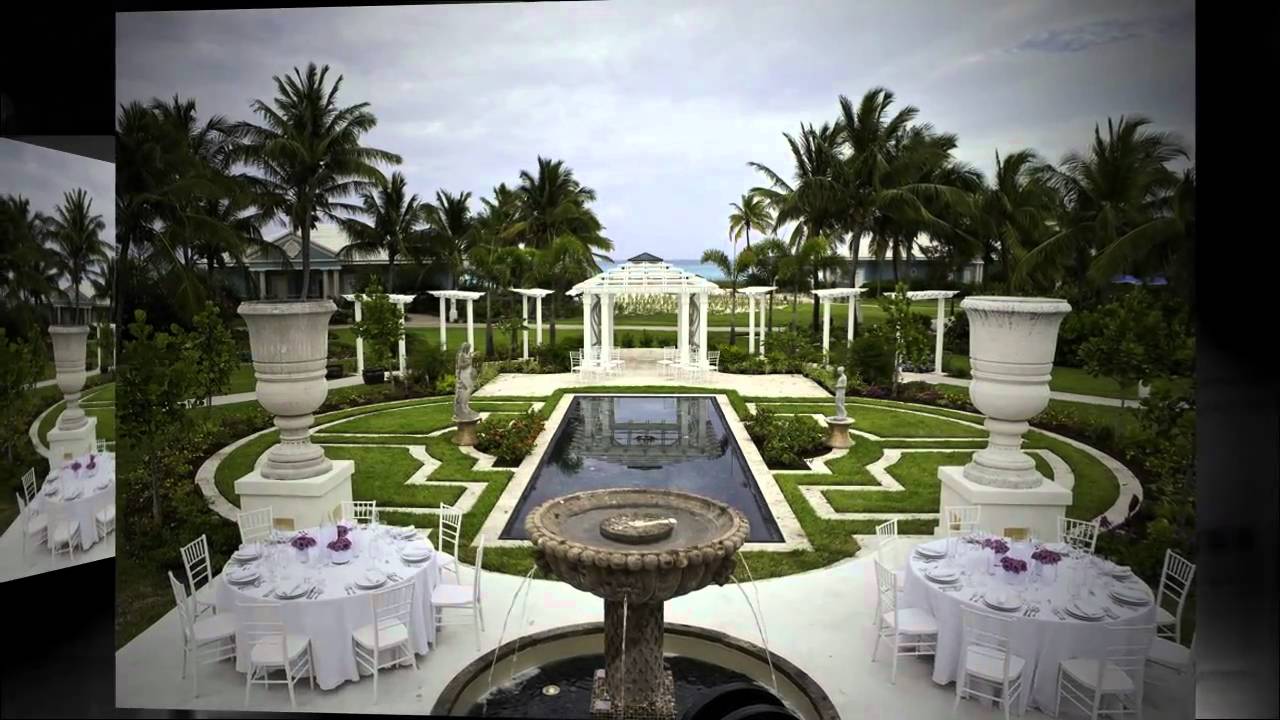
(1011, 347)
(289, 342)
(76, 433)
(636, 549)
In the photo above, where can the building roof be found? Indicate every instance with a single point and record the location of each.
(327, 240)
(645, 277)
(923, 242)
(645, 258)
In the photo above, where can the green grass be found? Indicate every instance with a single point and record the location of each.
(240, 463)
(423, 419)
(381, 474)
(242, 380)
(871, 314)
(1076, 380)
(106, 415)
(918, 475)
(887, 423)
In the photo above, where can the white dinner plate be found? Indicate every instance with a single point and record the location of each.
(1085, 610)
(1002, 601)
(295, 591)
(406, 532)
(1130, 595)
(371, 580)
(242, 576)
(943, 576)
(1057, 547)
(248, 552)
(929, 552)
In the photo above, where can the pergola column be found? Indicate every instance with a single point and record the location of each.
(853, 300)
(751, 324)
(606, 329)
(400, 305)
(682, 330)
(586, 331)
(359, 344)
(703, 299)
(262, 284)
(524, 322)
(444, 335)
(538, 303)
(937, 342)
(471, 324)
(764, 325)
(826, 328)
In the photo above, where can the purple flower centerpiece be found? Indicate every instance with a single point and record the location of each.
(1046, 557)
(340, 548)
(302, 543)
(1013, 565)
(343, 531)
(75, 466)
(996, 545)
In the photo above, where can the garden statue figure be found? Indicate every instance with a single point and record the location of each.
(464, 385)
(841, 382)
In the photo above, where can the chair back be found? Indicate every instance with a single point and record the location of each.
(29, 484)
(263, 621)
(575, 363)
(479, 570)
(887, 530)
(55, 514)
(962, 519)
(195, 556)
(1079, 534)
(255, 525)
(183, 603)
(713, 360)
(362, 511)
(1175, 582)
(887, 587)
(392, 606)
(668, 354)
(450, 528)
(989, 632)
(1127, 650)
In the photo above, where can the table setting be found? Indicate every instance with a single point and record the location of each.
(81, 488)
(323, 577)
(1062, 601)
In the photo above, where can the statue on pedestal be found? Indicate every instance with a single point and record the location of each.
(841, 383)
(464, 385)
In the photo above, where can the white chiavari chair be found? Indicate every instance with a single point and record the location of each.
(1175, 585)
(1093, 683)
(910, 631)
(889, 551)
(255, 525)
(103, 446)
(448, 531)
(63, 533)
(195, 558)
(361, 511)
(713, 361)
(961, 520)
(668, 362)
(449, 596)
(35, 526)
(104, 520)
(1168, 655)
(273, 648)
(204, 640)
(616, 364)
(1079, 534)
(987, 658)
(29, 487)
(389, 632)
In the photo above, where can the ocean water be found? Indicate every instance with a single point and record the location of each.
(706, 270)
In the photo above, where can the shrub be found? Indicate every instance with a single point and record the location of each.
(786, 440)
(789, 350)
(955, 339)
(627, 340)
(510, 441)
(555, 358)
(871, 356)
(955, 367)
(428, 360)
(647, 340)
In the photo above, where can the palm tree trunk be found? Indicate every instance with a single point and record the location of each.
(855, 246)
(895, 265)
(306, 253)
(813, 274)
(733, 288)
(391, 271)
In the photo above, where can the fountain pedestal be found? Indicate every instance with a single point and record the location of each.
(635, 676)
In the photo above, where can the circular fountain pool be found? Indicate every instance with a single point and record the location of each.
(551, 674)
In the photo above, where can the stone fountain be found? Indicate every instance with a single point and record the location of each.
(636, 549)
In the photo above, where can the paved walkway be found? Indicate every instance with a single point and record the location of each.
(831, 640)
(937, 379)
(247, 396)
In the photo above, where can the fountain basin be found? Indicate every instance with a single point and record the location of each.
(733, 656)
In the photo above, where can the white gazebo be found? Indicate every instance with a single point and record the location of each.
(941, 296)
(752, 293)
(829, 295)
(399, 301)
(470, 296)
(645, 274)
(537, 294)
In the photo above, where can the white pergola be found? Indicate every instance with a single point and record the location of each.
(828, 295)
(645, 275)
(753, 292)
(537, 294)
(470, 296)
(941, 296)
(400, 301)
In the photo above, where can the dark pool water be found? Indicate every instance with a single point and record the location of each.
(573, 676)
(655, 442)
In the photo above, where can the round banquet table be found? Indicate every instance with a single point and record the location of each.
(97, 491)
(1042, 641)
(330, 617)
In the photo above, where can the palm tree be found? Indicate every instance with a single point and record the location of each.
(76, 236)
(496, 259)
(308, 155)
(395, 223)
(752, 213)
(561, 265)
(764, 270)
(449, 235)
(23, 255)
(735, 269)
(1012, 211)
(1117, 187)
(1165, 244)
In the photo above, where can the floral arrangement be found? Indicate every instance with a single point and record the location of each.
(343, 531)
(1013, 565)
(342, 544)
(75, 466)
(302, 542)
(1046, 557)
(92, 461)
(996, 545)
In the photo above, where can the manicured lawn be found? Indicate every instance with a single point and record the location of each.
(240, 463)
(887, 423)
(422, 419)
(106, 415)
(242, 380)
(918, 475)
(1076, 380)
(381, 473)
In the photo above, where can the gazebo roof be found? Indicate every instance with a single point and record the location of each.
(644, 276)
(756, 290)
(457, 294)
(838, 292)
(931, 294)
(532, 292)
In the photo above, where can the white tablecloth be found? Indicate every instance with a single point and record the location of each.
(330, 619)
(91, 498)
(1042, 641)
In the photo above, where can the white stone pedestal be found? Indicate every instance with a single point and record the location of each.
(838, 433)
(301, 503)
(1036, 509)
(67, 444)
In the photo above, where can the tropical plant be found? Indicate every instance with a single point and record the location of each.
(212, 352)
(1134, 342)
(735, 269)
(1015, 211)
(449, 236)
(75, 232)
(751, 213)
(20, 367)
(308, 156)
(381, 325)
(496, 260)
(24, 259)
(904, 330)
(394, 224)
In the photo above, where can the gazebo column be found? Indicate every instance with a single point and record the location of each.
(444, 336)
(359, 345)
(751, 324)
(937, 342)
(764, 321)
(703, 299)
(682, 330)
(826, 328)
(853, 301)
(586, 331)
(524, 323)
(606, 329)
(402, 338)
(471, 324)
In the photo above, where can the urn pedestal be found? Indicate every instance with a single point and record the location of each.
(838, 433)
(66, 445)
(289, 342)
(465, 435)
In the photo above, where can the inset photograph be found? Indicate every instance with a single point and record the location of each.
(57, 359)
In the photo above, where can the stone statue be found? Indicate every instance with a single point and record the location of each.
(464, 385)
(841, 382)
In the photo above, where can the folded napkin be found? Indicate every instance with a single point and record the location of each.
(418, 548)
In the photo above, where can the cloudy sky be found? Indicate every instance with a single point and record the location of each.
(43, 175)
(659, 105)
